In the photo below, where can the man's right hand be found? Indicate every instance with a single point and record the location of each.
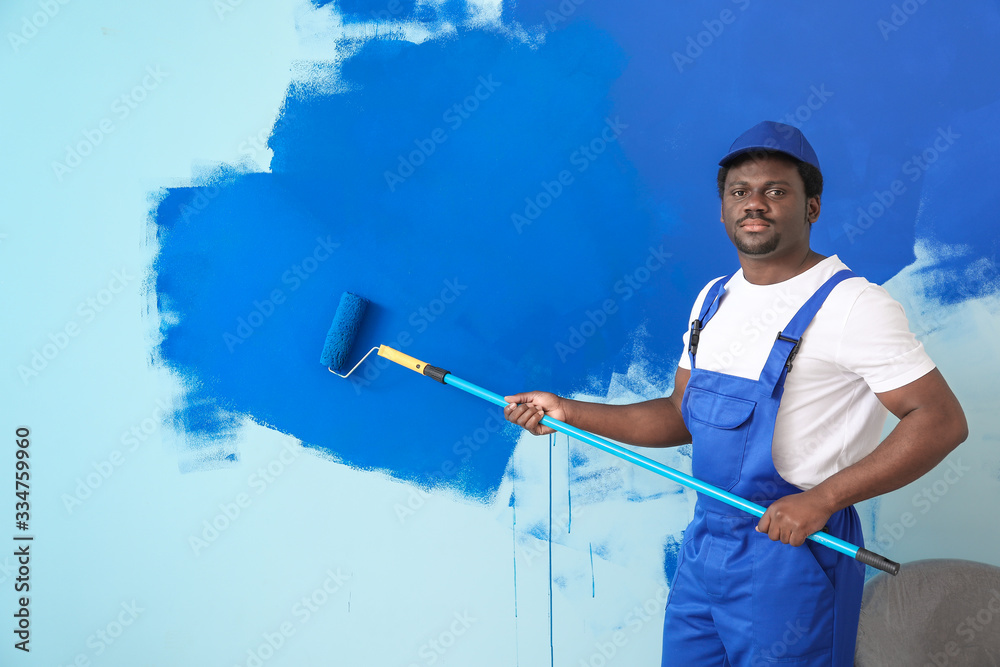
(527, 409)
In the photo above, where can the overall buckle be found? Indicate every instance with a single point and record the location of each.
(695, 335)
(795, 348)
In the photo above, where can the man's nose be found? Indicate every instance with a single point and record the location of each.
(756, 201)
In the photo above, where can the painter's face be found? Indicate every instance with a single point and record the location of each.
(765, 209)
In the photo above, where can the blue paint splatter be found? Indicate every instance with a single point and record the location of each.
(671, 552)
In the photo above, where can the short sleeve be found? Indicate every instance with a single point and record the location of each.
(877, 343)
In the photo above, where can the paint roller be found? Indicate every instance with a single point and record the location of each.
(344, 331)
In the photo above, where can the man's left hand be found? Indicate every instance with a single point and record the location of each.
(794, 518)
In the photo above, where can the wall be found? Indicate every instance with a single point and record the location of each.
(526, 194)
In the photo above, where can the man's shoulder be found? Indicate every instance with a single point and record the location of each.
(856, 289)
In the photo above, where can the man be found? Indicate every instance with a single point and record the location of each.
(789, 370)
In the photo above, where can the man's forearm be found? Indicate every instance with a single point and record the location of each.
(655, 423)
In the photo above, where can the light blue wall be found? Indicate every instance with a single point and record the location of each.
(181, 172)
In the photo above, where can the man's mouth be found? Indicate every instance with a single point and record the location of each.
(754, 225)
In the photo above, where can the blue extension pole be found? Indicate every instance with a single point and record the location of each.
(445, 377)
(835, 543)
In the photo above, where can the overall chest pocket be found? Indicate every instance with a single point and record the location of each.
(719, 427)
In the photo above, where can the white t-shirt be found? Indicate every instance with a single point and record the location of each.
(859, 344)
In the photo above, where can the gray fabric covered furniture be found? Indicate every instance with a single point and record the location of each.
(934, 613)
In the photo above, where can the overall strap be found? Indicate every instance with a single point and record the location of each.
(786, 345)
(708, 308)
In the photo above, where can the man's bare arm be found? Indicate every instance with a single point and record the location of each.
(655, 423)
(932, 424)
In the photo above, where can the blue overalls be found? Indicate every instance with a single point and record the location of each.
(739, 598)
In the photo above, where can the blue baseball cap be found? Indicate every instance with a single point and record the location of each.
(771, 136)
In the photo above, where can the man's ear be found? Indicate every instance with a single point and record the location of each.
(812, 209)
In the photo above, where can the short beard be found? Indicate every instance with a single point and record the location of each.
(761, 248)
(753, 246)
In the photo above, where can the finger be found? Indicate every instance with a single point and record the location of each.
(524, 417)
(518, 415)
(534, 420)
(523, 397)
(774, 531)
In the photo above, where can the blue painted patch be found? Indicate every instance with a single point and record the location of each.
(501, 207)
(255, 271)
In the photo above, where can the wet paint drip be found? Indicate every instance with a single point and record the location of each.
(569, 491)
(552, 651)
(593, 581)
(513, 534)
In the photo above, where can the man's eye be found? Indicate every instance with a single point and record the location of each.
(738, 193)
(777, 192)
